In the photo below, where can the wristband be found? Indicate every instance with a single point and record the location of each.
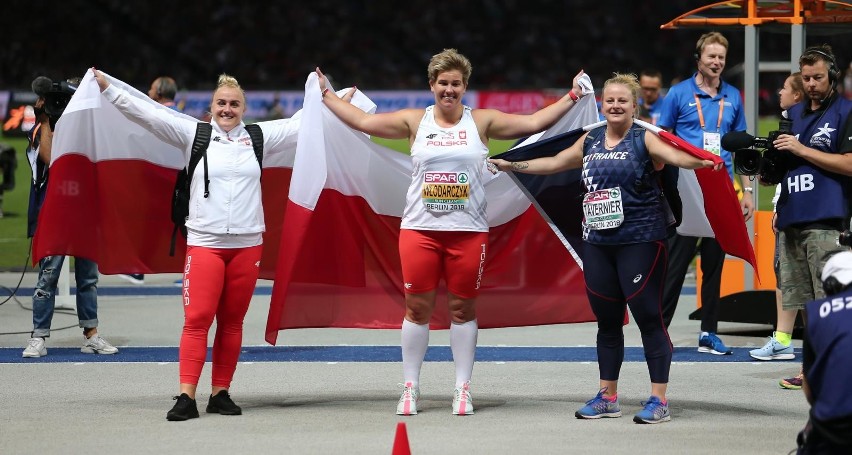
(573, 95)
(324, 92)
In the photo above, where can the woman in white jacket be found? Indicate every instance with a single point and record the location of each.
(224, 232)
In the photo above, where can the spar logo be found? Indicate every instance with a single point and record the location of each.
(446, 177)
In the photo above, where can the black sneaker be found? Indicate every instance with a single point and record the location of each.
(221, 403)
(184, 409)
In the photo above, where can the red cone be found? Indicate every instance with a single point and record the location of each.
(400, 441)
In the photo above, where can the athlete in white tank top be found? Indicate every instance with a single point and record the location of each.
(444, 227)
(446, 191)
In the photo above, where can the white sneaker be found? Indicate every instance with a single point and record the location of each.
(407, 405)
(462, 405)
(97, 345)
(35, 348)
(135, 278)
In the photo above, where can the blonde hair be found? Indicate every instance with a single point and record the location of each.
(449, 60)
(628, 80)
(226, 80)
(710, 38)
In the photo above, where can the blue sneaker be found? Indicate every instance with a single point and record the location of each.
(599, 407)
(709, 342)
(773, 350)
(654, 411)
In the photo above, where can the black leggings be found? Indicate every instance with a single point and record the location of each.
(634, 275)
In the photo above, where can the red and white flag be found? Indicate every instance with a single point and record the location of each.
(338, 263)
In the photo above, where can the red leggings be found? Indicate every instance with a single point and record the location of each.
(217, 282)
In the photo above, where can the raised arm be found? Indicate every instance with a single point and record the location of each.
(160, 122)
(570, 158)
(500, 125)
(392, 125)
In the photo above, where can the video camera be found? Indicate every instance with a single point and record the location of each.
(56, 96)
(757, 155)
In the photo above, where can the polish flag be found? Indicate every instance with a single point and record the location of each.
(338, 264)
(110, 189)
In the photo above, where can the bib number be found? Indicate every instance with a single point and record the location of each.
(603, 209)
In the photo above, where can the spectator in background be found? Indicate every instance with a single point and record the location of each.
(780, 345)
(39, 148)
(651, 102)
(826, 352)
(163, 90)
(701, 110)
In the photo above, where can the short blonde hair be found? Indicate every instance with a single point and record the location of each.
(449, 60)
(628, 80)
(226, 80)
(710, 38)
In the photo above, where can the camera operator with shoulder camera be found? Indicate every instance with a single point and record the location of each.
(826, 351)
(52, 99)
(813, 208)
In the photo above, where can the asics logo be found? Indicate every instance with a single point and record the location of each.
(637, 278)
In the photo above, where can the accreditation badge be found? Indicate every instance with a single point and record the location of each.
(713, 143)
(445, 191)
(603, 209)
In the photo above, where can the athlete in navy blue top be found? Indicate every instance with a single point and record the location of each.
(826, 352)
(626, 219)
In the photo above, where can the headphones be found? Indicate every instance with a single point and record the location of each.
(699, 46)
(833, 72)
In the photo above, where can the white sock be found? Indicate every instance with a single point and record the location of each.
(463, 344)
(415, 341)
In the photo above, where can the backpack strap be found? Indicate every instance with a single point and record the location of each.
(203, 132)
(256, 135)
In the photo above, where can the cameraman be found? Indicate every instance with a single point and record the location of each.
(814, 202)
(826, 351)
(52, 98)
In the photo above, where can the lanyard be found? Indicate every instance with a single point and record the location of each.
(701, 113)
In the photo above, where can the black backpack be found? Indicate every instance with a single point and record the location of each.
(180, 195)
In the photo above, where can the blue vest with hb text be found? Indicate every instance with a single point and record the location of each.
(628, 166)
(809, 193)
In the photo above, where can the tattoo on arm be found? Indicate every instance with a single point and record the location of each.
(520, 165)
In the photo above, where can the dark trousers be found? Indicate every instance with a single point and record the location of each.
(682, 250)
(621, 276)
